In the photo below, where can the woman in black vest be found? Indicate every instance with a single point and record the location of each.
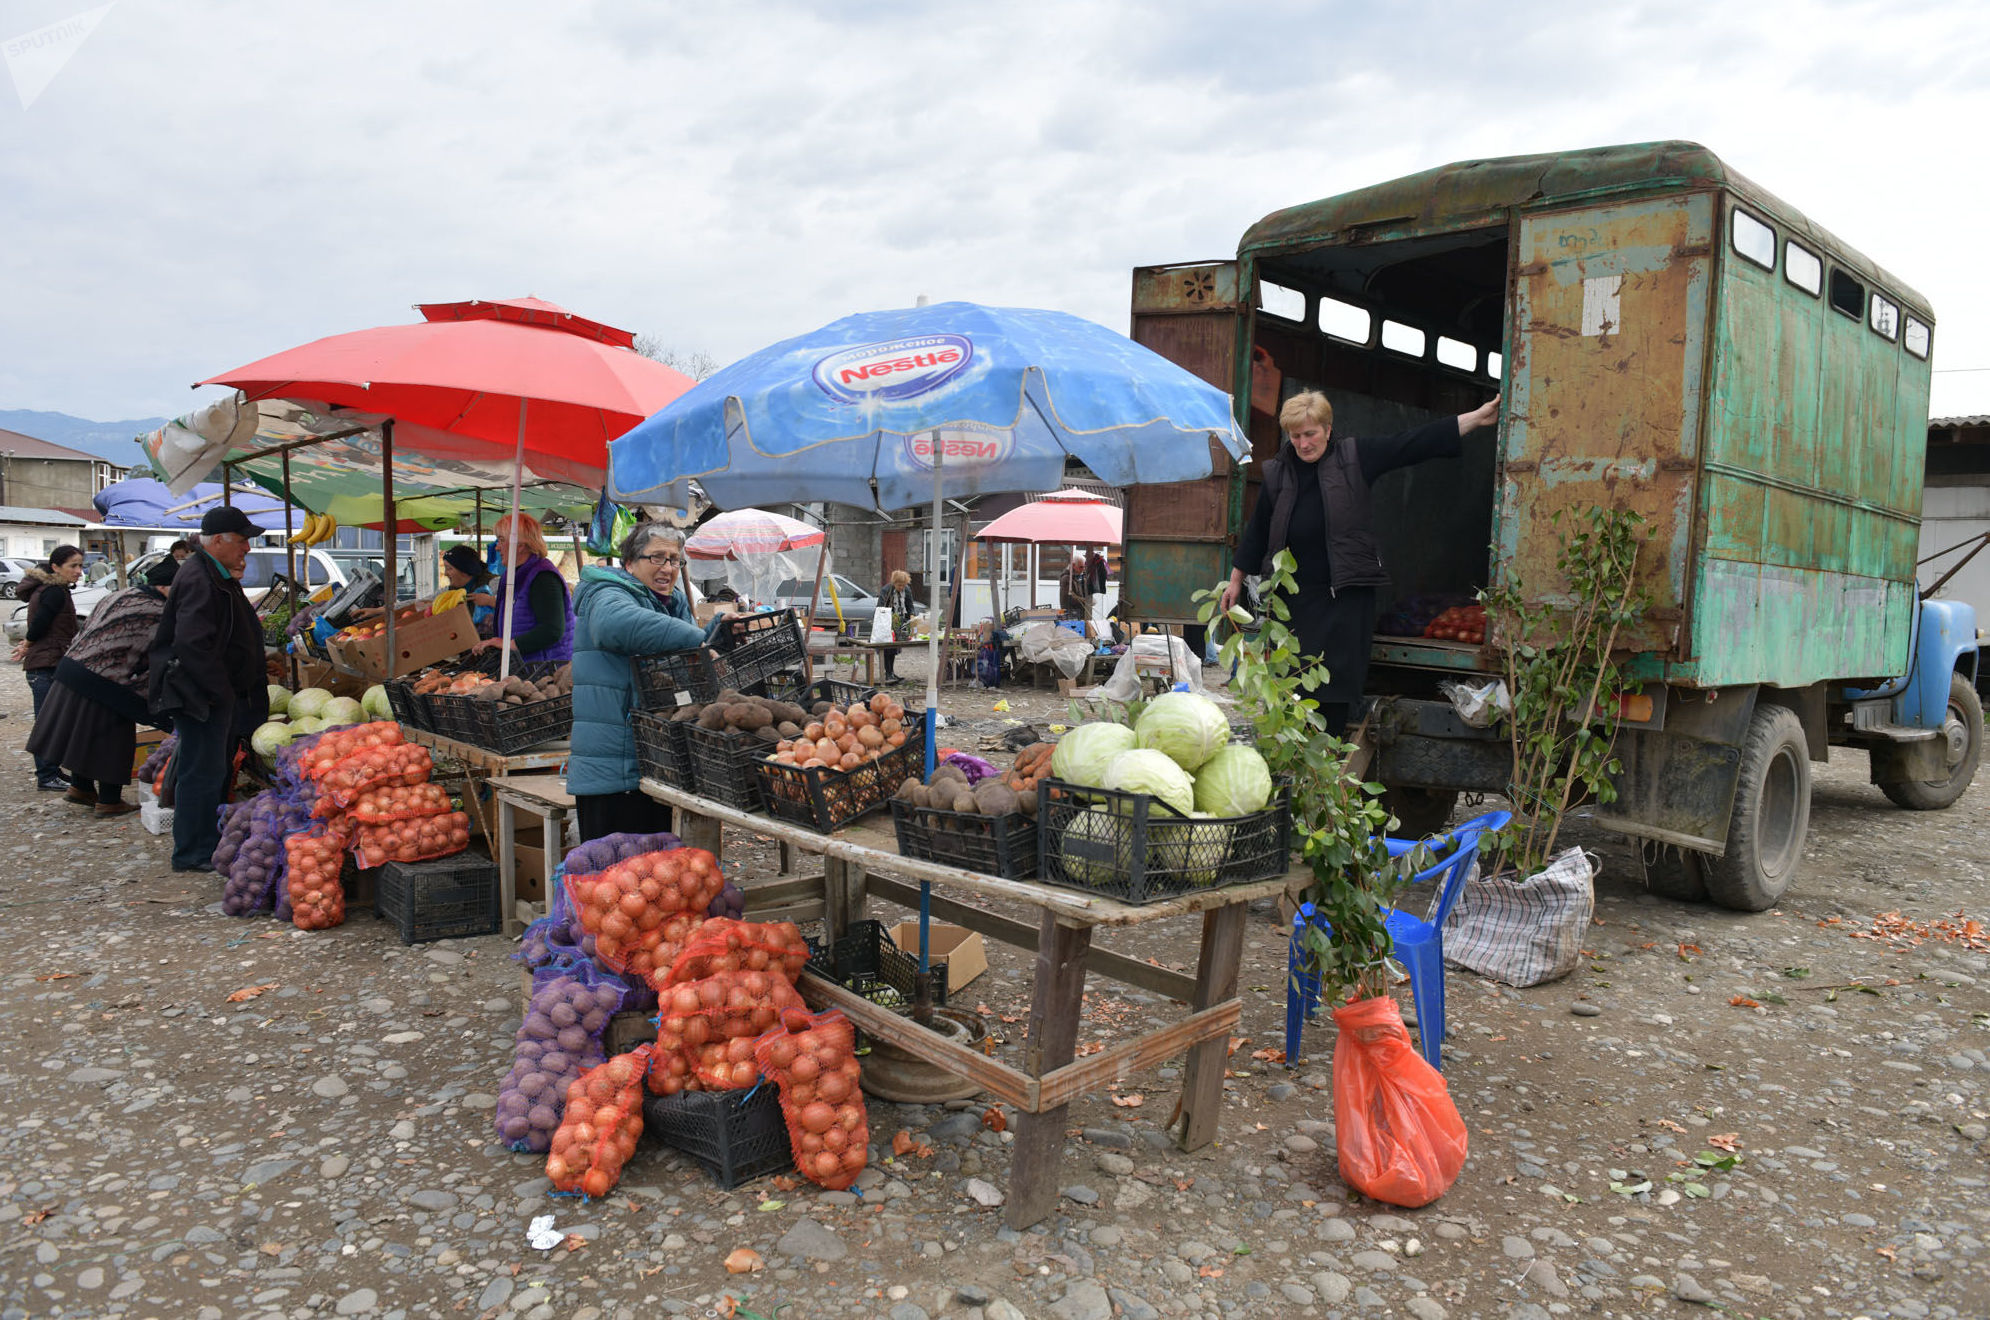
(1314, 501)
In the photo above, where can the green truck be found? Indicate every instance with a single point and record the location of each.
(1669, 338)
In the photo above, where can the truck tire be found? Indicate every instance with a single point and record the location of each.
(1962, 729)
(1679, 874)
(1420, 811)
(1771, 818)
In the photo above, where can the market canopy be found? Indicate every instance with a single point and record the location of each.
(145, 502)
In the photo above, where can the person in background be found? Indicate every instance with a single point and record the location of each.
(183, 550)
(1071, 586)
(621, 612)
(206, 670)
(52, 624)
(463, 568)
(1314, 501)
(896, 600)
(542, 625)
(90, 725)
(1095, 584)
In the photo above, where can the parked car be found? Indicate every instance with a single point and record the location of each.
(857, 604)
(13, 571)
(265, 564)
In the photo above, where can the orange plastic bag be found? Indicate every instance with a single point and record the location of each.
(601, 1126)
(813, 1058)
(723, 945)
(641, 911)
(721, 1007)
(1400, 1137)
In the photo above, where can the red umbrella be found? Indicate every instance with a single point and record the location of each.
(484, 371)
(1075, 516)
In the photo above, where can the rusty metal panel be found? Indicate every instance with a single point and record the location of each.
(1159, 579)
(1189, 286)
(1607, 348)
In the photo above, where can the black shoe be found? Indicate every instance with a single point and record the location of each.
(197, 866)
(52, 785)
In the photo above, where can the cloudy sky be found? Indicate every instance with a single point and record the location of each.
(207, 181)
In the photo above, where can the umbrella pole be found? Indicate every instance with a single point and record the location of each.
(922, 998)
(511, 551)
(289, 561)
(389, 590)
(808, 625)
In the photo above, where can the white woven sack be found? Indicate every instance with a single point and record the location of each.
(1524, 931)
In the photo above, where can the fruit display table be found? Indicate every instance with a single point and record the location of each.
(862, 862)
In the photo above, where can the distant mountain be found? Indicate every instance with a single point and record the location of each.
(107, 440)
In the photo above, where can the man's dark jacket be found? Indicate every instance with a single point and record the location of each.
(211, 628)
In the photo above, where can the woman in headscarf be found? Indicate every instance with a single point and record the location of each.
(89, 724)
(636, 609)
(542, 624)
(464, 570)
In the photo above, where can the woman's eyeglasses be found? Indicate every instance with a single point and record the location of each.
(669, 560)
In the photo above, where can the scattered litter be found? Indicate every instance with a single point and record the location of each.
(542, 1236)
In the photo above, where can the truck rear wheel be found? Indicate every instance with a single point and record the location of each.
(1679, 874)
(1771, 818)
(1419, 811)
(1962, 730)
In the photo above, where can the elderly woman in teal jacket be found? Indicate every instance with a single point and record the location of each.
(636, 609)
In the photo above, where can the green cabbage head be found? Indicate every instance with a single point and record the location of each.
(1234, 782)
(1155, 774)
(268, 737)
(1082, 755)
(1190, 729)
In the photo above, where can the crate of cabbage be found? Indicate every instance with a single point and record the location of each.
(313, 710)
(1168, 806)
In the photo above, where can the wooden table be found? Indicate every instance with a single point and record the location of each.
(546, 797)
(483, 768)
(863, 861)
(869, 651)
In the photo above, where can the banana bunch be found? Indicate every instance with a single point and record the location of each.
(448, 600)
(318, 528)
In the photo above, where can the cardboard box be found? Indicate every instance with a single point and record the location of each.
(959, 950)
(530, 870)
(418, 644)
(148, 739)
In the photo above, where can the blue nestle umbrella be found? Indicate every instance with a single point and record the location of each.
(893, 409)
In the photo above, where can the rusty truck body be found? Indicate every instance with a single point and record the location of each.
(1669, 338)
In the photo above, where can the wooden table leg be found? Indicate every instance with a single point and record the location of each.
(844, 897)
(1053, 1042)
(507, 860)
(1215, 982)
(700, 831)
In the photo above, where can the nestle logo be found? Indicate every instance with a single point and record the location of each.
(894, 370)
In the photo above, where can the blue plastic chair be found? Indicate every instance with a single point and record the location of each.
(1419, 942)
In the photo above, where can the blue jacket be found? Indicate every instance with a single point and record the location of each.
(616, 617)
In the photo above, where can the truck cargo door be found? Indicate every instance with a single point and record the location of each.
(1178, 536)
(1604, 391)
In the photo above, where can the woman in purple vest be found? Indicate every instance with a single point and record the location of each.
(542, 624)
(1314, 502)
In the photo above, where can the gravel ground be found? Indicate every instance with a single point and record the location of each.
(323, 1146)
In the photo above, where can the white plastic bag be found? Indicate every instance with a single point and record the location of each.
(1478, 706)
(881, 625)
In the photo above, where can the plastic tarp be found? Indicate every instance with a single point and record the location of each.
(145, 502)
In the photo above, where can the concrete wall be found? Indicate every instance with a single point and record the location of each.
(47, 483)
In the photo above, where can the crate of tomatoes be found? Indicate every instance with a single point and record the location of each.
(1460, 623)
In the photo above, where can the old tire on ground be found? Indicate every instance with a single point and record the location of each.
(1420, 811)
(1771, 817)
(1679, 874)
(1962, 731)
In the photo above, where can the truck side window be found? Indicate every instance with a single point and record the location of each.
(1753, 239)
(1346, 321)
(1802, 268)
(1847, 294)
(1456, 353)
(1494, 364)
(1883, 317)
(1917, 338)
(1403, 338)
(1277, 300)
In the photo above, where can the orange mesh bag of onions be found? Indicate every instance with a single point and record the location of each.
(375, 767)
(813, 1059)
(384, 806)
(719, 1008)
(312, 861)
(725, 945)
(416, 839)
(640, 911)
(335, 746)
(601, 1126)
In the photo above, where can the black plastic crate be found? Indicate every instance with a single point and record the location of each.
(865, 960)
(497, 726)
(723, 765)
(445, 899)
(827, 800)
(408, 707)
(789, 687)
(992, 845)
(671, 679)
(453, 715)
(762, 646)
(1131, 847)
(660, 747)
(736, 1135)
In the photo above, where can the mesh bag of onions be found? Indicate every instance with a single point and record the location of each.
(373, 767)
(725, 945)
(385, 805)
(311, 875)
(813, 1059)
(416, 839)
(602, 1124)
(629, 907)
(558, 1040)
(337, 744)
(721, 1007)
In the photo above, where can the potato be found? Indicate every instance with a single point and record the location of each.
(789, 729)
(1027, 802)
(995, 798)
(687, 714)
(821, 708)
(713, 716)
(787, 712)
(749, 717)
(964, 803)
(768, 734)
(943, 773)
(908, 791)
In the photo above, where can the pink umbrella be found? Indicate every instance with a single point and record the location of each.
(1075, 516)
(757, 549)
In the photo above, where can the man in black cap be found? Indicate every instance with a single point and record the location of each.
(207, 673)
